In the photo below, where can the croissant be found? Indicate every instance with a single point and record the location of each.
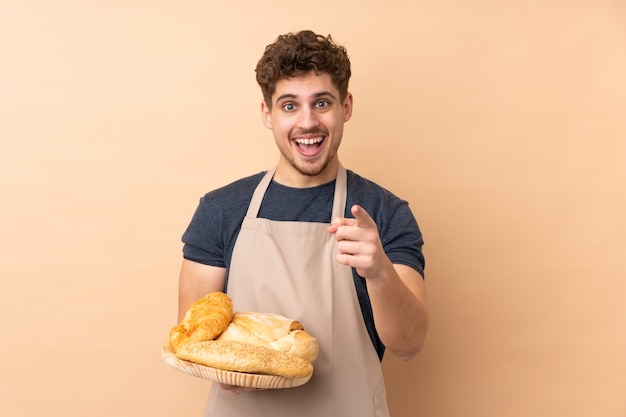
(205, 320)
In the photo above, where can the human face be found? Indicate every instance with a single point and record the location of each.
(307, 117)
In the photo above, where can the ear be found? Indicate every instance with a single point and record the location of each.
(347, 107)
(266, 115)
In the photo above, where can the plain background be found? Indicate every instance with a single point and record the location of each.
(501, 122)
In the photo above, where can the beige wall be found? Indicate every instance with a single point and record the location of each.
(502, 123)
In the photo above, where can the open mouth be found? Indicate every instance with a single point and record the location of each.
(309, 146)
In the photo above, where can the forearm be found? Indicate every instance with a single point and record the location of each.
(398, 299)
(195, 281)
(397, 292)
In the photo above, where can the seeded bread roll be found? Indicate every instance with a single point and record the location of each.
(230, 355)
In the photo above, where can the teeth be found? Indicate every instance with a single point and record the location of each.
(303, 141)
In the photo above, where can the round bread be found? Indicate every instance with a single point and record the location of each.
(298, 343)
(205, 320)
(272, 331)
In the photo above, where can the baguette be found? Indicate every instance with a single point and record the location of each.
(236, 356)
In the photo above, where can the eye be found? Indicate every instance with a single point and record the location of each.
(322, 104)
(289, 107)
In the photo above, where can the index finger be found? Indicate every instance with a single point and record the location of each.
(362, 217)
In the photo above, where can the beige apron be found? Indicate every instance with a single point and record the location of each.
(289, 268)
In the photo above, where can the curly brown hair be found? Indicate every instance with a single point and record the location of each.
(297, 54)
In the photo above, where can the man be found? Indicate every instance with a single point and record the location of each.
(313, 242)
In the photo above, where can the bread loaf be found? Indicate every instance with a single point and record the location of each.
(272, 331)
(230, 355)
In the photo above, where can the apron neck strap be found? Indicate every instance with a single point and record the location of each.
(341, 192)
(339, 199)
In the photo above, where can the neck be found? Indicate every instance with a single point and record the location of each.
(289, 176)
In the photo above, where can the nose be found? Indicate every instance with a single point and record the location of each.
(308, 119)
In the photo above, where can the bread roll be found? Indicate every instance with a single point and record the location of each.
(205, 320)
(272, 331)
(230, 355)
(298, 343)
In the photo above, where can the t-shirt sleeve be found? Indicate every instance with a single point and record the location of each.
(402, 239)
(203, 237)
(210, 236)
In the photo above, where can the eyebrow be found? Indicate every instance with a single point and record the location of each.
(315, 96)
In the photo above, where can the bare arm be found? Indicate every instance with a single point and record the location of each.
(400, 310)
(195, 281)
(397, 292)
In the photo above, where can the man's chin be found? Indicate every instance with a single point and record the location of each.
(310, 170)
